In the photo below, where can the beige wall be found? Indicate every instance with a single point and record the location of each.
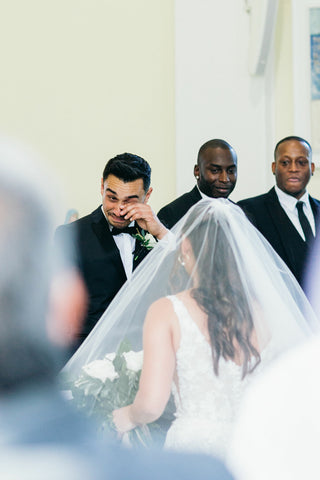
(283, 71)
(83, 80)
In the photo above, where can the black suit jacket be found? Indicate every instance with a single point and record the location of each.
(98, 259)
(266, 213)
(170, 214)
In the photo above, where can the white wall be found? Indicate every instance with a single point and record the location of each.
(292, 75)
(215, 95)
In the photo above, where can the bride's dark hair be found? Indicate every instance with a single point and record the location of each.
(221, 293)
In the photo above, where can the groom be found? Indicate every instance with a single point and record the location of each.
(106, 248)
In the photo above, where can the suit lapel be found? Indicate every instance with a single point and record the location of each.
(102, 232)
(280, 219)
(315, 205)
(100, 228)
(140, 251)
(195, 194)
(288, 236)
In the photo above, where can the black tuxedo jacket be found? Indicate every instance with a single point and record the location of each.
(267, 215)
(170, 214)
(98, 259)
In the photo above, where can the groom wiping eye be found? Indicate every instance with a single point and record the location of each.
(106, 261)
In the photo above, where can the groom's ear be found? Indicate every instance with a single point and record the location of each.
(148, 195)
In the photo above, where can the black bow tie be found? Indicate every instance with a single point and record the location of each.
(129, 230)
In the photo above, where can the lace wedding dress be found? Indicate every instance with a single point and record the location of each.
(206, 404)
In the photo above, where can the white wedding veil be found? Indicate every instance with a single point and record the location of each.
(235, 276)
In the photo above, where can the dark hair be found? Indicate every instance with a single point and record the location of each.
(288, 139)
(128, 167)
(216, 143)
(220, 293)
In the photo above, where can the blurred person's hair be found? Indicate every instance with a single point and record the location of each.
(27, 264)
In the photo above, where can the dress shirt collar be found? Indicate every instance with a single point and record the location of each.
(289, 202)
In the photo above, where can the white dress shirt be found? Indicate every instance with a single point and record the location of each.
(288, 203)
(126, 245)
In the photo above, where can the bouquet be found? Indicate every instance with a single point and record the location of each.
(111, 383)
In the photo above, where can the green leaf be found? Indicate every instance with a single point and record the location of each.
(118, 363)
(124, 346)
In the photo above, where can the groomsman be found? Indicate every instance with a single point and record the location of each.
(287, 215)
(106, 248)
(216, 176)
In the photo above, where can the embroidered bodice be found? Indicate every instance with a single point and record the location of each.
(206, 403)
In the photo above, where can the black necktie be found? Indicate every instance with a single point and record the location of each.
(130, 230)
(304, 222)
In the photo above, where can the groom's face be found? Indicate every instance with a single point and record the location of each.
(116, 193)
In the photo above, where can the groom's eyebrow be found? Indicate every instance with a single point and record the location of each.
(112, 191)
(115, 193)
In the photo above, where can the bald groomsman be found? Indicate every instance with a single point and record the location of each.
(216, 176)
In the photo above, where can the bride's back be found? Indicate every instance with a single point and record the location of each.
(206, 402)
(200, 318)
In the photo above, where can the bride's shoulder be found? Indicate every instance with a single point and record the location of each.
(160, 306)
(162, 311)
(162, 322)
(166, 304)
(158, 321)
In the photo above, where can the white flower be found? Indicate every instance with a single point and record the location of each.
(134, 360)
(101, 369)
(110, 356)
(150, 240)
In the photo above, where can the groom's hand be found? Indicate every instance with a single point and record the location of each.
(145, 217)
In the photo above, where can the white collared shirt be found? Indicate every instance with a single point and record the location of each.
(288, 203)
(126, 245)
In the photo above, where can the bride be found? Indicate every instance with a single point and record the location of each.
(219, 305)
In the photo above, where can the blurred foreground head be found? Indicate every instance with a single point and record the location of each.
(36, 284)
